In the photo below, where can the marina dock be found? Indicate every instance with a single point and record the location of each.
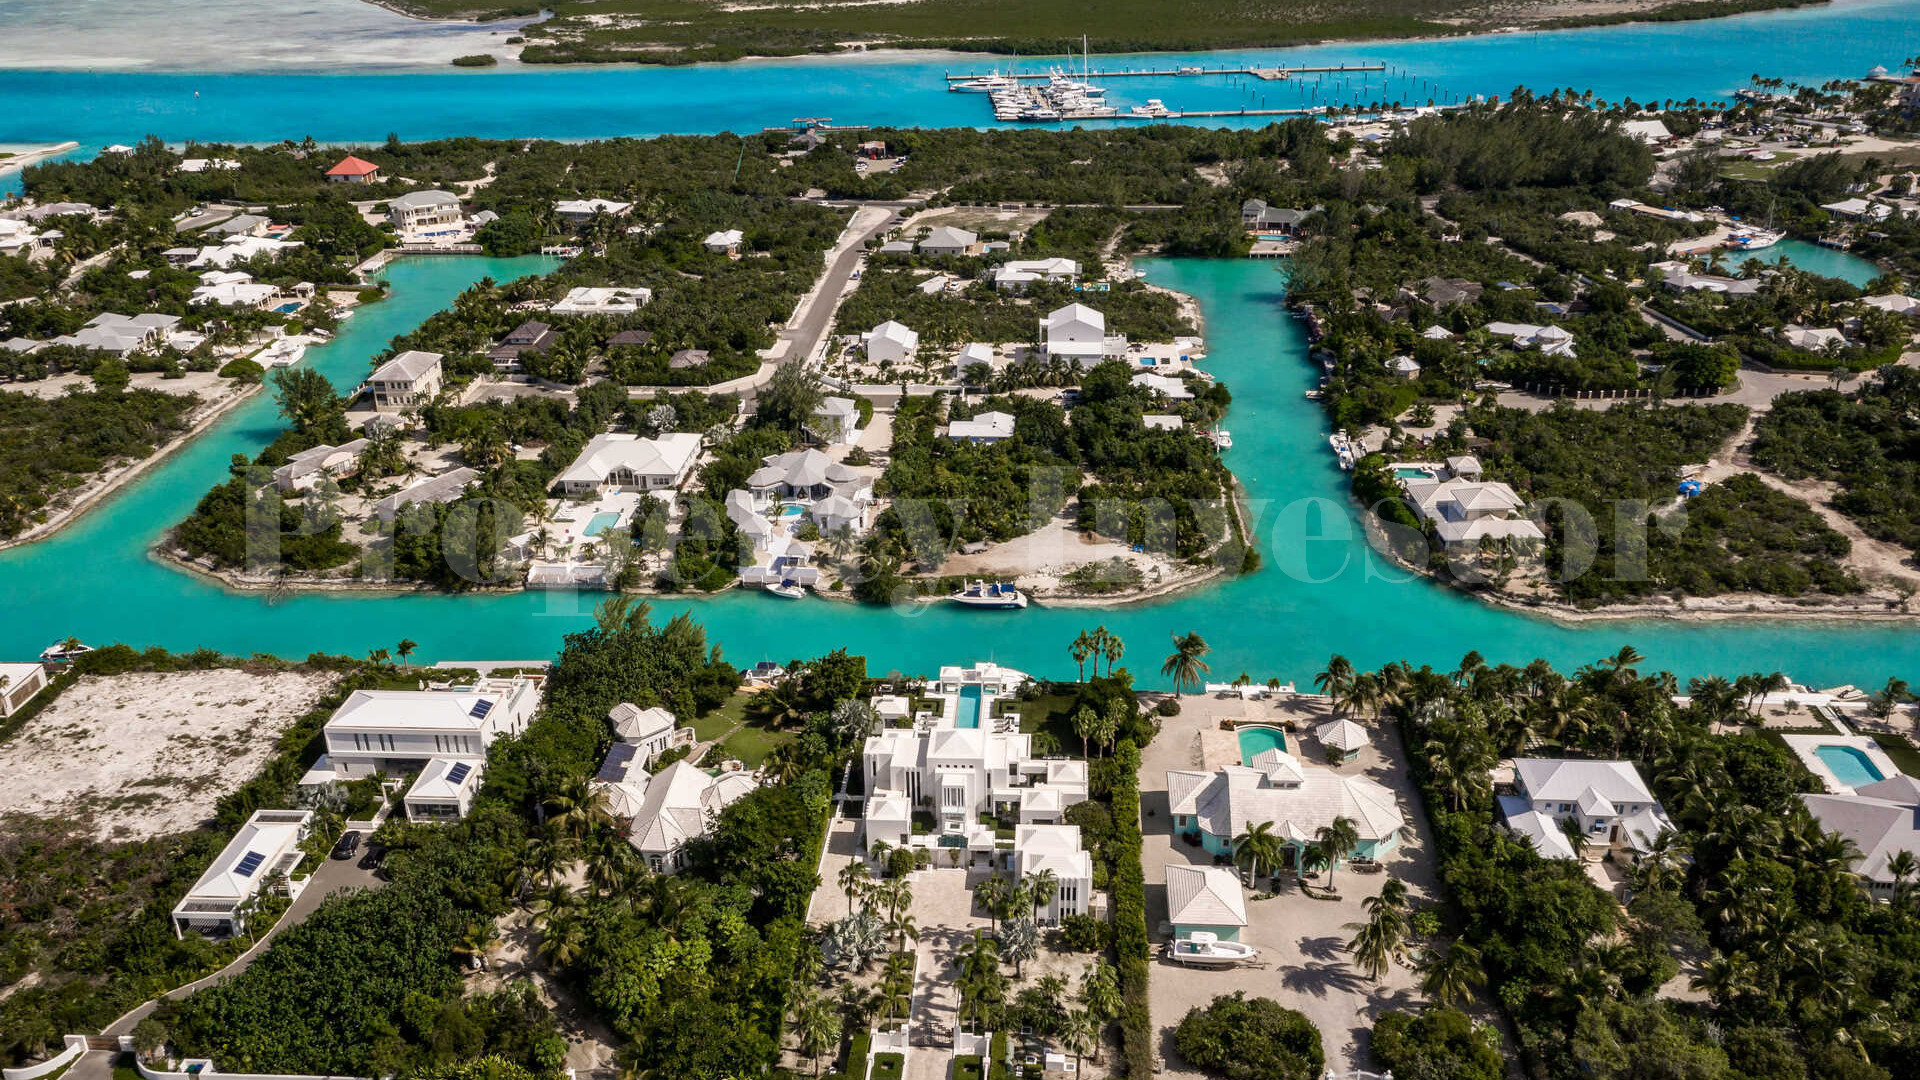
(1269, 74)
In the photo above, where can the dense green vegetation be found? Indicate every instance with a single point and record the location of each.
(1244, 1038)
(1865, 442)
(1797, 964)
(52, 445)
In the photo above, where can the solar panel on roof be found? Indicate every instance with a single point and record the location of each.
(619, 762)
(249, 863)
(480, 709)
(458, 772)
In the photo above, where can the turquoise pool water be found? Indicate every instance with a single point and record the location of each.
(1413, 474)
(969, 711)
(1850, 765)
(600, 522)
(1257, 740)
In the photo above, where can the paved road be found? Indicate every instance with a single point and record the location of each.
(810, 323)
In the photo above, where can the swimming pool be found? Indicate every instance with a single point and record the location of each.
(1254, 740)
(790, 512)
(288, 309)
(968, 714)
(1849, 765)
(601, 522)
(1408, 473)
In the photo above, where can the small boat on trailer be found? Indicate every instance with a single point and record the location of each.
(990, 594)
(1202, 949)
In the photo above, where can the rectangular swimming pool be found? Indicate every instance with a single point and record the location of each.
(1850, 765)
(968, 714)
(601, 522)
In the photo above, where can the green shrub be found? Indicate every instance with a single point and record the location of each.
(1244, 1038)
(1169, 706)
(476, 60)
(243, 370)
(1086, 933)
(888, 1066)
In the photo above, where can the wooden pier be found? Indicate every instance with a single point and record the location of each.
(1269, 74)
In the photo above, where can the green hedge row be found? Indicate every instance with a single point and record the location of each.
(1130, 913)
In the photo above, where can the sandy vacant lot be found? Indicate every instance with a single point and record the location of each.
(141, 755)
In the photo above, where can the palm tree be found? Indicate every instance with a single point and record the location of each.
(1335, 680)
(1081, 649)
(557, 903)
(1113, 649)
(1019, 941)
(1337, 841)
(1186, 665)
(1902, 865)
(1258, 847)
(1085, 723)
(1380, 940)
(1622, 663)
(1042, 888)
(1082, 1034)
(1100, 992)
(578, 806)
(993, 894)
(404, 650)
(563, 943)
(818, 1024)
(1449, 976)
(903, 927)
(480, 939)
(854, 879)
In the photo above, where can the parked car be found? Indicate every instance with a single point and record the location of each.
(349, 843)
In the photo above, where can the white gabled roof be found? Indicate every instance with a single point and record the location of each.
(1544, 831)
(424, 200)
(726, 238)
(1569, 781)
(1204, 896)
(1342, 735)
(680, 800)
(946, 236)
(1076, 313)
(631, 723)
(896, 332)
(241, 867)
(666, 455)
(436, 782)
(987, 425)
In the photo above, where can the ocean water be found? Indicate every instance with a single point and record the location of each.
(333, 85)
(1320, 590)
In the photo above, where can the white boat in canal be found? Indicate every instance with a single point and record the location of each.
(788, 589)
(1343, 448)
(990, 594)
(1154, 107)
(985, 84)
(1203, 949)
(1754, 239)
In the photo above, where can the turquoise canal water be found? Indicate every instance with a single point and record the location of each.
(1319, 591)
(1825, 261)
(109, 103)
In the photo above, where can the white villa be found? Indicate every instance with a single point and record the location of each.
(121, 335)
(425, 211)
(835, 421)
(726, 242)
(954, 769)
(947, 240)
(1896, 303)
(1463, 512)
(622, 462)
(977, 352)
(232, 288)
(18, 683)
(411, 378)
(1550, 340)
(651, 732)
(1813, 339)
(232, 250)
(267, 846)
(1606, 800)
(577, 211)
(1079, 333)
(1015, 276)
(984, 428)
(1172, 388)
(611, 300)
(445, 488)
(1880, 818)
(890, 341)
(680, 805)
(1296, 799)
(440, 734)
(304, 469)
(805, 476)
(1205, 899)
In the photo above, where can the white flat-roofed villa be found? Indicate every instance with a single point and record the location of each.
(264, 851)
(441, 734)
(18, 683)
(952, 770)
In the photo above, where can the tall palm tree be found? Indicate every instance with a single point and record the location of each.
(1113, 649)
(1449, 975)
(1338, 841)
(1186, 665)
(1902, 866)
(992, 894)
(1082, 1034)
(818, 1025)
(481, 938)
(578, 806)
(1080, 650)
(1042, 888)
(854, 879)
(405, 649)
(1085, 723)
(1334, 681)
(1258, 847)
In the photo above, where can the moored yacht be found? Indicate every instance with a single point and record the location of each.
(990, 594)
(1202, 949)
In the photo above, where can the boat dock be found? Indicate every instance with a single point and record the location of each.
(1269, 74)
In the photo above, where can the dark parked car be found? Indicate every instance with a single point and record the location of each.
(348, 844)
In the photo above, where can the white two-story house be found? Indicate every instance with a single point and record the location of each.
(1606, 801)
(410, 378)
(439, 735)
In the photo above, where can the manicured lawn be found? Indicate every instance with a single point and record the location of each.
(1901, 751)
(966, 1068)
(752, 744)
(721, 720)
(888, 1066)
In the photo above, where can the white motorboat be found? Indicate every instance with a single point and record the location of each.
(787, 589)
(1153, 107)
(64, 652)
(985, 84)
(1222, 439)
(1203, 949)
(1343, 448)
(990, 594)
(284, 353)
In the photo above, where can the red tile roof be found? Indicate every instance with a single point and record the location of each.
(353, 166)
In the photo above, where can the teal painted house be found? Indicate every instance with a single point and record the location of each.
(1295, 799)
(1205, 899)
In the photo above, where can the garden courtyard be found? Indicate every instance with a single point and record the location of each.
(1301, 936)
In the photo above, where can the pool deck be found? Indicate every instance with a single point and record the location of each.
(1803, 747)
